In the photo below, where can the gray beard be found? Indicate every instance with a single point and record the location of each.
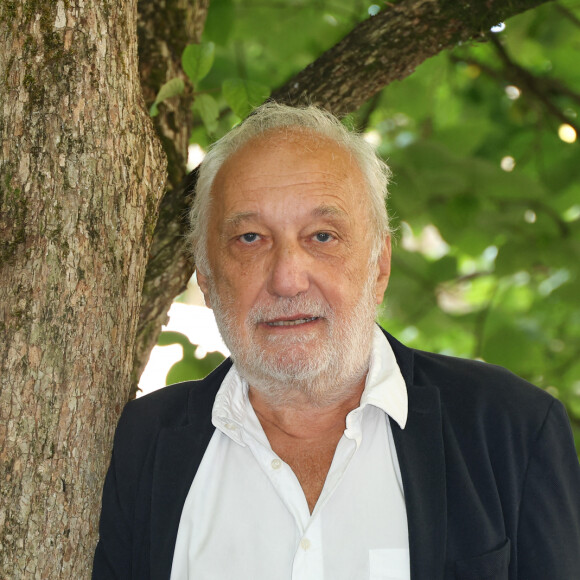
(325, 372)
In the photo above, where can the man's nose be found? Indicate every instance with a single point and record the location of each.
(289, 273)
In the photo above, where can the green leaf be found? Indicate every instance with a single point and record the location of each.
(191, 368)
(243, 95)
(168, 337)
(197, 60)
(170, 89)
(208, 110)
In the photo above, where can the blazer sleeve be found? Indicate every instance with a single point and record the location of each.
(123, 523)
(113, 553)
(549, 518)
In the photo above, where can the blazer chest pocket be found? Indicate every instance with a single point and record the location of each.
(490, 566)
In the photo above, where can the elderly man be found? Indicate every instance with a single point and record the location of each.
(324, 448)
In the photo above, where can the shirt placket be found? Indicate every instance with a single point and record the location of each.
(309, 556)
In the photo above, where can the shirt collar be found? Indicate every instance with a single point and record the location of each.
(385, 389)
(231, 406)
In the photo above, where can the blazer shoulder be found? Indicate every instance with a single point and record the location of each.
(481, 387)
(489, 412)
(170, 406)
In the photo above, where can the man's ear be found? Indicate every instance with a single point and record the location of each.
(383, 271)
(203, 283)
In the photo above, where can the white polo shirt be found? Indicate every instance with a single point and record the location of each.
(246, 516)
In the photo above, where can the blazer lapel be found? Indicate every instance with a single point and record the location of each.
(178, 455)
(422, 462)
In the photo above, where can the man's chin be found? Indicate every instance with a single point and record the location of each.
(294, 364)
(295, 384)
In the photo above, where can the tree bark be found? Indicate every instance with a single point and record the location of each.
(165, 27)
(381, 49)
(82, 174)
(389, 46)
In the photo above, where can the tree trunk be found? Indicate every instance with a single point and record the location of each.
(82, 174)
(165, 27)
(379, 50)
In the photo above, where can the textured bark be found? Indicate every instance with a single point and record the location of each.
(82, 174)
(390, 46)
(381, 49)
(165, 28)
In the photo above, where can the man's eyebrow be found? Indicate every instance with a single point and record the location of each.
(236, 219)
(324, 211)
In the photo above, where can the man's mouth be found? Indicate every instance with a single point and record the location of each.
(293, 322)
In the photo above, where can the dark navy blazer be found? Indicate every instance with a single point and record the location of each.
(490, 475)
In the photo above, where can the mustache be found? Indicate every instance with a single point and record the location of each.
(288, 308)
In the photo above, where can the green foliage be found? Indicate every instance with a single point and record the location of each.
(170, 89)
(190, 367)
(208, 110)
(242, 95)
(472, 138)
(258, 46)
(514, 233)
(197, 60)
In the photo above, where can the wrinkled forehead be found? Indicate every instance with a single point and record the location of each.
(286, 153)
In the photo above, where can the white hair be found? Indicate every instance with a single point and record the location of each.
(271, 116)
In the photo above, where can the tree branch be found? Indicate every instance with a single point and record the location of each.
(389, 46)
(367, 111)
(526, 80)
(165, 27)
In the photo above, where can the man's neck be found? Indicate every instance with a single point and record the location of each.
(304, 435)
(300, 419)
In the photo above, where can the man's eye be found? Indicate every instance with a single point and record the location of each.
(323, 237)
(249, 238)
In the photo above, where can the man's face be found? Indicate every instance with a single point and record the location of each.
(289, 248)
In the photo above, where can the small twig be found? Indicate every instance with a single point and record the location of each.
(552, 213)
(480, 323)
(402, 266)
(368, 110)
(558, 87)
(553, 86)
(528, 81)
(472, 276)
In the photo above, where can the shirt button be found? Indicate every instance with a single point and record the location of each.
(305, 543)
(276, 464)
(231, 426)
